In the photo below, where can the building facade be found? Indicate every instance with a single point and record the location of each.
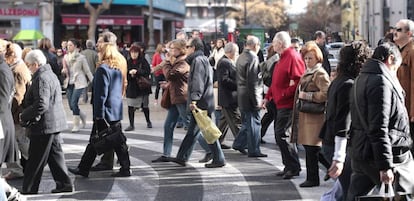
(126, 18)
(208, 16)
(378, 15)
(11, 11)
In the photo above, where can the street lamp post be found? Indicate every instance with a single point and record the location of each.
(215, 17)
(151, 43)
(224, 20)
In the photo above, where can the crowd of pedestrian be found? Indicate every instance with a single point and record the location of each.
(357, 124)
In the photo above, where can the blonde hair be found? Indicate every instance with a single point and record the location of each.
(13, 53)
(180, 45)
(110, 55)
(25, 51)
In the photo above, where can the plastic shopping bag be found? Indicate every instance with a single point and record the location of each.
(209, 129)
(383, 193)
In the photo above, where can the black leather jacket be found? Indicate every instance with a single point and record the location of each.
(381, 102)
(249, 81)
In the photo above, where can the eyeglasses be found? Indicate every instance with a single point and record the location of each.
(399, 29)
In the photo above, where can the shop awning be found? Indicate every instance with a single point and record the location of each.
(28, 35)
(71, 19)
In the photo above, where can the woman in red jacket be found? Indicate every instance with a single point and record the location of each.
(158, 57)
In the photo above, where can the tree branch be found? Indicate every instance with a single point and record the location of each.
(89, 7)
(106, 4)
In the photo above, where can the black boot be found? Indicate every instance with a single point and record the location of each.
(131, 115)
(312, 168)
(147, 117)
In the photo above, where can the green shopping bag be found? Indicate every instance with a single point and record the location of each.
(208, 128)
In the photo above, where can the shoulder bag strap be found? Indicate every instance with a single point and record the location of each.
(361, 118)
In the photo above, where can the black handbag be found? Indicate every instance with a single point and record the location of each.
(108, 138)
(307, 106)
(144, 83)
(310, 107)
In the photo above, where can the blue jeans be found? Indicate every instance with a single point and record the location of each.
(187, 146)
(249, 133)
(283, 121)
(174, 112)
(73, 98)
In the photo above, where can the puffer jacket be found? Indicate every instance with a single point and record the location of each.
(381, 102)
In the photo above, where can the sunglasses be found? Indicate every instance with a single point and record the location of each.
(399, 29)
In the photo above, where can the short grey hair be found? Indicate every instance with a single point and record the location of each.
(252, 41)
(35, 56)
(230, 48)
(409, 25)
(183, 34)
(89, 44)
(283, 37)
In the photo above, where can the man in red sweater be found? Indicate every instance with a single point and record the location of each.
(285, 79)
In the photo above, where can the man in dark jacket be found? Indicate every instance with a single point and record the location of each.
(227, 90)
(320, 39)
(44, 115)
(200, 94)
(380, 137)
(249, 97)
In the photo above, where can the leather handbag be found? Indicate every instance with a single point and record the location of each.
(144, 83)
(166, 99)
(310, 107)
(307, 106)
(108, 138)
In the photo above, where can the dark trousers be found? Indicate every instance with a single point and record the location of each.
(283, 121)
(45, 149)
(268, 117)
(313, 156)
(158, 78)
(187, 145)
(89, 155)
(232, 117)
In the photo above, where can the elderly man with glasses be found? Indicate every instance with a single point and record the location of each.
(403, 38)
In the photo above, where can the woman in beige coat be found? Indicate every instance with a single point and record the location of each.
(313, 87)
(22, 77)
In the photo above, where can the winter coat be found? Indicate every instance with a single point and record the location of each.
(309, 125)
(227, 83)
(176, 73)
(43, 104)
(79, 72)
(22, 78)
(338, 115)
(8, 152)
(143, 70)
(200, 82)
(107, 93)
(406, 76)
(380, 99)
(249, 81)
